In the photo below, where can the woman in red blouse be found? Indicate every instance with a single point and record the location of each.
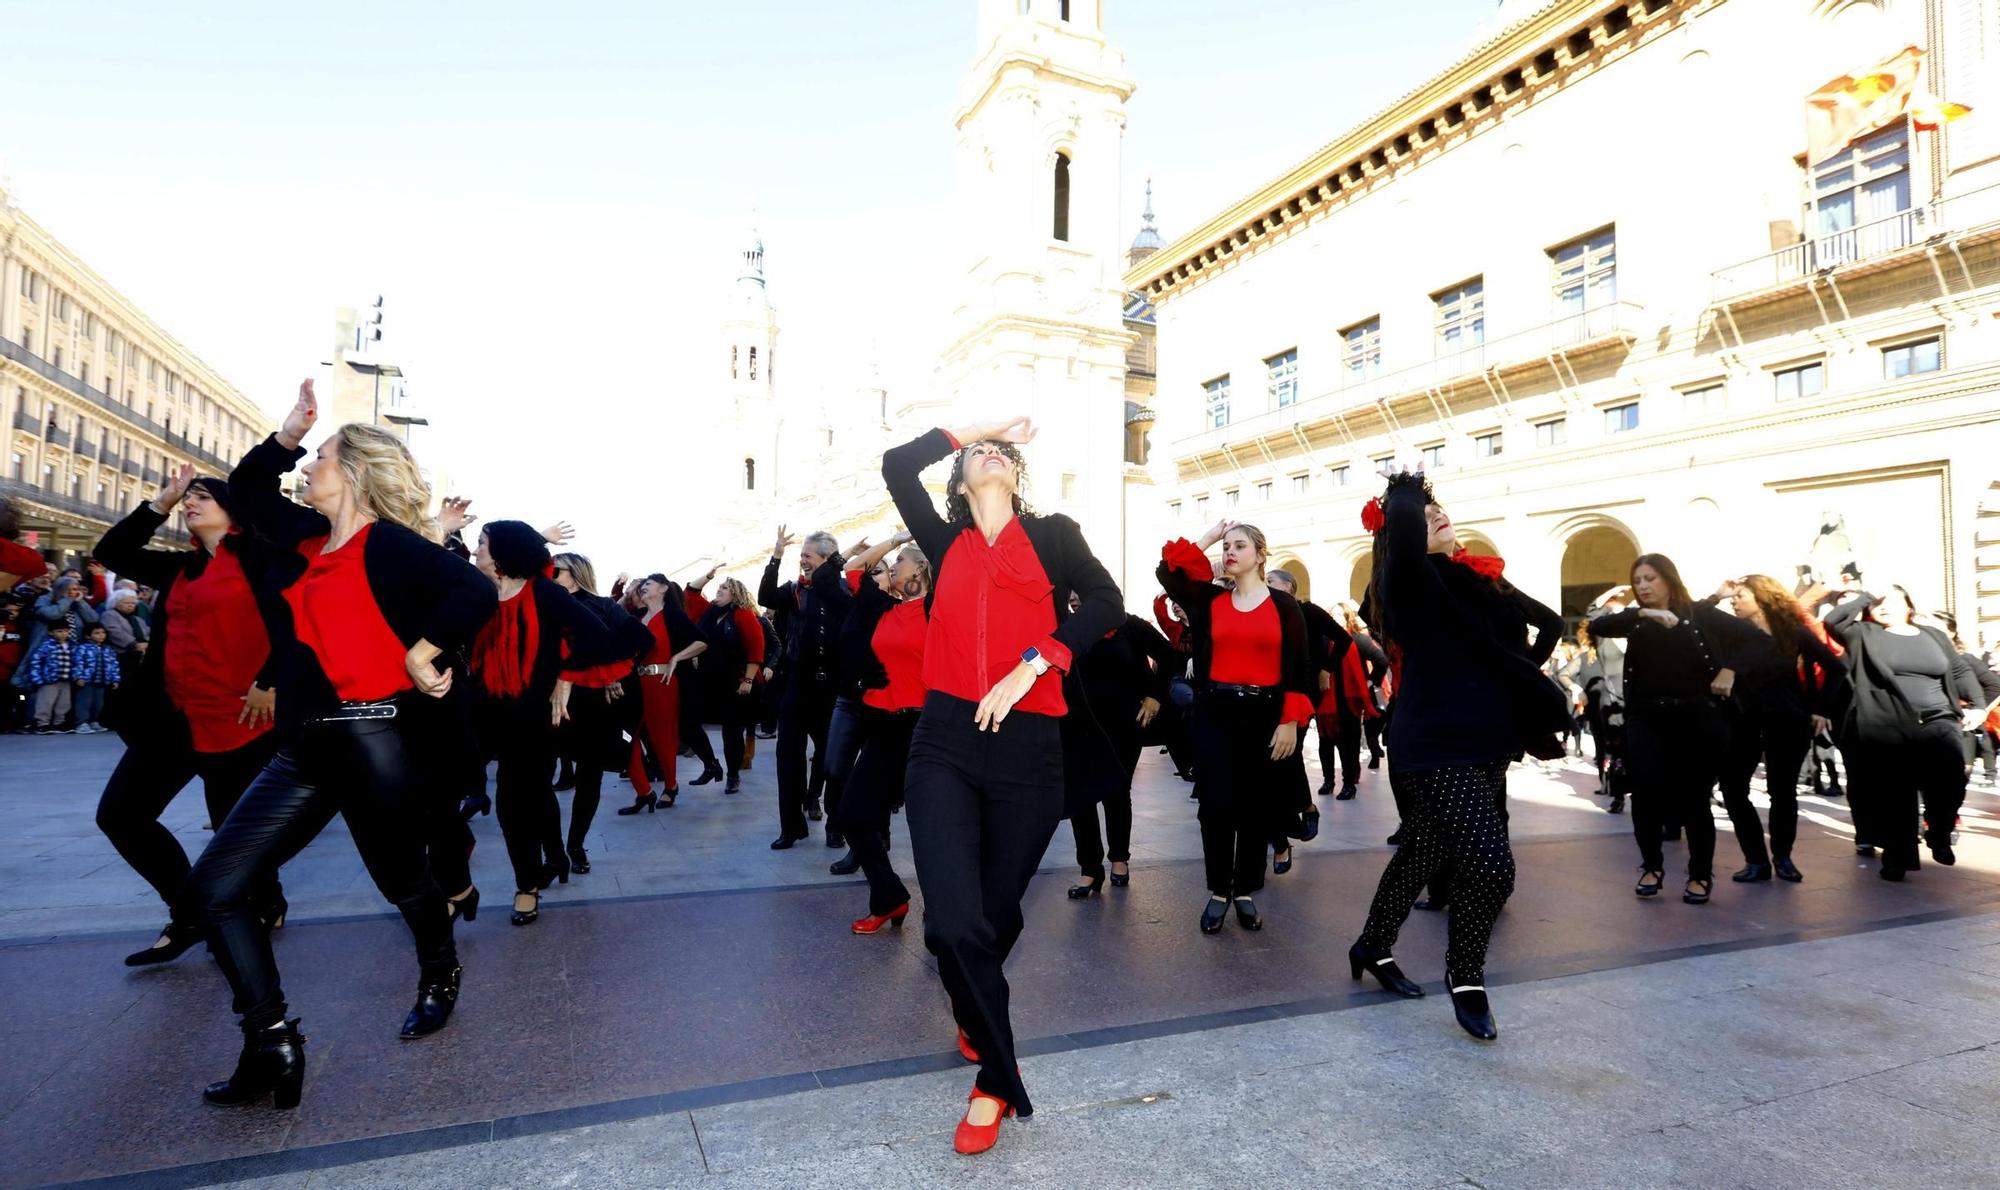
(369, 603)
(984, 786)
(590, 734)
(201, 704)
(735, 665)
(1254, 688)
(674, 640)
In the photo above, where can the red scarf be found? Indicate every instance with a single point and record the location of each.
(1483, 565)
(503, 656)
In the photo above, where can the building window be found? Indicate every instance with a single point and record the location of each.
(1231, 497)
(1487, 446)
(1706, 401)
(1062, 197)
(753, 363)
(1281, 374)
(1586, 273)
(1620, 418)
(1216, 395)
(1201, 508)
(1856, 196)
(1174, 509)
(1553, 432)
(749, 475)
(1301, 483)
(1361, 351)
(20, 471)
(1068, 486)
(1062, 9)
(1908, 359)
(734, 351)
(1805, 380)
(1432, 456)
(1264, 492)
(1461, 317)
(58, 359)
(1337, 476)
(1382, 462)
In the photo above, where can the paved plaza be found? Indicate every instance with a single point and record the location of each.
(694, 1012)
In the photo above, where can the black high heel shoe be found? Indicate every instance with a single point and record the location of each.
(1083, 892)
(579, 861)
(1212, 915)
(273, 1063)
(1247, 915)
(1281, 866)
(523, 917)
(1385, 970)
(711, 772)
(174, 941)
(556, 873)
(1121, 879)
(435, 1000)
(274, 914)
(649, 804)
(466, 906)
(473, 805)
(1310, 830)
(1474, 1014)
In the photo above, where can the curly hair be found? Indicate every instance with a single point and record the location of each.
(380, 469)
(1782, 611)
(957, 508)
(739, 594)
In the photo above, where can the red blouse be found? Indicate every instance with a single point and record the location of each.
(751, 633)
(993, 603)
(217, 645)
(899, 645)
(335, 615)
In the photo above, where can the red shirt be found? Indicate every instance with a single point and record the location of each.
(335, 615)
(1249, 650)
(993, 603)
(217, 645)
(662, 650)
(17, 559)
(751, 633)
(899, 644)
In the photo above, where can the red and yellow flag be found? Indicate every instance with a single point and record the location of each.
(1851, 106)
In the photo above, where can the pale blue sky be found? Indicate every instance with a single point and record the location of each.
(550, 196)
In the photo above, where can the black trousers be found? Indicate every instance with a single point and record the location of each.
(873, 789)
(1340, 737)
(694, 711)
(739, 719)
(1782, 744)
(844, 734)
(524, 798)
(1238, 786)
(1372, 731)
(593, 742)
(1979, 745)
(1822, 765)
(1455, 821)
(1884, 783)
(1090, 842)
(1674, 753)
(362, 770)
(804, 716)
(982, 808)
(147, 779)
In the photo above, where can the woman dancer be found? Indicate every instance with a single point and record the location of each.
(736, 662)
(517, 659)
(590, 736)
(1901, 735)
(882, 642)
(1254, 690)
(373, 603)
(675, 640)
(201, 703)
(984, 783)
(1787, 689)
(1114, 692)
(1466, 701)
(1675, 733)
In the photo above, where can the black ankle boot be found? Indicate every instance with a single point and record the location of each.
(1391, 977)
(435, 1000)
(1474, 1014)
(734, 784)
(273, 1063)
(709, 772)
(846, 865)
(579, 861)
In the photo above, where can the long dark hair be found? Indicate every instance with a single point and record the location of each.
(957, 508)
(1378, 612)
(1678, 599)
(1782, 611)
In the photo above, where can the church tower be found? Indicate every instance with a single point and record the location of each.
(1038, 328)
(745, 473)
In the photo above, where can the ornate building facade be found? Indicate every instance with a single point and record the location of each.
(1589, 275)
(99, 403)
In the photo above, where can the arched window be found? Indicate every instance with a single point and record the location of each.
(749, 475)
(753, 363)
(732, 360)
(1062, 9)
(1062, 197)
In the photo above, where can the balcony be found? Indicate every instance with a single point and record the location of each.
(28, 359)
(86, 450)
(1879, 242)
(110, 460)
(1612, 325)
(152, 476)
(57, 437)
(23, 420)
(131, 467)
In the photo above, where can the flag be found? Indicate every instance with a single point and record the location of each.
(1848, 107)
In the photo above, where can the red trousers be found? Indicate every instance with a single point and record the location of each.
(660, 724)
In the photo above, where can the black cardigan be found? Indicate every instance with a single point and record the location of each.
(857, 668)
(423, 591)
(152, 716)
(1101, 736)
(1675, 665)
(1058, 543)
(1880, 713)
(563, 618)
(812, 627)
(1298, 671)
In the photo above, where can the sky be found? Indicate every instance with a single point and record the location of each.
(551, 198)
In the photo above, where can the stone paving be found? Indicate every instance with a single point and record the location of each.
(695, 1012)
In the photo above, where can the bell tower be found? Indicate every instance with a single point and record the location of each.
(746, 360)
(1038, 326)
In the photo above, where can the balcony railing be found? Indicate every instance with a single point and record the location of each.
(32, 495)
(110, 460)
(28, 359)
(131, 467)
(1873, 240)
(86, 450)
(25, 421)
(152, 475)
(57, 437)
(1613, 322)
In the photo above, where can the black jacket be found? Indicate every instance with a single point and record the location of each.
(1299, 670)
(1675, 665)
(151, 715)
(423, 591)
(812, 626)
(564, 619)
(856, 667)
(1058, 542)
(1101, 736)
(1880, 714)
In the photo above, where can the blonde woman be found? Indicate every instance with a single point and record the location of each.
(736, 645)
(370, 603)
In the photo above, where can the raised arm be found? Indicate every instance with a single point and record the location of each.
(1406, 573)
(123, 546)
(903, 469)
(253, 485)
(1186, 574)
(1618, 623)
(1547, 623)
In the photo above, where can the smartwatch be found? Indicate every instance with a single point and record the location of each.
(1034, 658)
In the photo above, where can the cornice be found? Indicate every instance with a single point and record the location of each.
(1535, 58)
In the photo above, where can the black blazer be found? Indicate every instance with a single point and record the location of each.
(1879, 713)
(811, 626)
(152, 717)
(1059, 546)
(423, 591)
(1299, 671)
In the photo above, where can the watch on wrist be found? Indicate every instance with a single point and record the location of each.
(1034, 658)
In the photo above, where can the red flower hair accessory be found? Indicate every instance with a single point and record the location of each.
(1372, 517)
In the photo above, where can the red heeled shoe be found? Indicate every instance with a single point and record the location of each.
(965, 1049)
(973, 1138)
(873, 923)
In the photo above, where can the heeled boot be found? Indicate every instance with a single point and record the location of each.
(435, 1000)
(273, 1063)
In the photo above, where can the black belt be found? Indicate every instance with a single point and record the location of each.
(350, 712)
(1237, 690)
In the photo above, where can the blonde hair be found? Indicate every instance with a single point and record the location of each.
(739, 595)
(384, 476)
(1256, 537)
(1350, 612)
(915, 553)
(581, 572)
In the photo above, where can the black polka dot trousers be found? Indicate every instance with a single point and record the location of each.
(1454, 821)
